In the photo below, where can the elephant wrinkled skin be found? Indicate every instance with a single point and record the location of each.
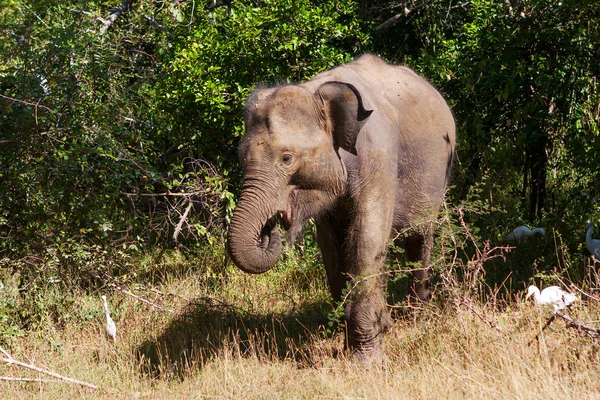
(366, 149)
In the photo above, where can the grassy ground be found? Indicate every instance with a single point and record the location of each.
(268, 337)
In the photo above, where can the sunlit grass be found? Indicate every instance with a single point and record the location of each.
(268, 336)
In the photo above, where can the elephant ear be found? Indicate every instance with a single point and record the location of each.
(344, 106)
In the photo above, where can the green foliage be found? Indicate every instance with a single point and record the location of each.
(107, 138)
(217, 61)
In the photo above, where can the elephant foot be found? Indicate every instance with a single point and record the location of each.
(368, 352)
(374, 358)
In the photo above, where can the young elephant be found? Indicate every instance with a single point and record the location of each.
(366, 149)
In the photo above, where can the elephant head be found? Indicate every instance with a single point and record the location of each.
(292, 165)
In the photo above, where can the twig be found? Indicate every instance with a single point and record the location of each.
(10, 360)
(482, 317)
(585, 294)
(128, 293)
(135, 296)
(168, 294)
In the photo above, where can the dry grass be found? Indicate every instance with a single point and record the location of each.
(265, 338)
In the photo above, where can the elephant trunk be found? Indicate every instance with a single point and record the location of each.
(253, 236)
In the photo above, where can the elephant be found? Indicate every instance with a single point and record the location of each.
(366, 150)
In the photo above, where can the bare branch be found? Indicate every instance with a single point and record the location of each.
(143, 300)
(106, 23)
(571, 323)
(12, 378)
(392, 20)
(36, 105)
(8, 359)
(589, 331)
(180, 223)
(405, 13)
(489, 322)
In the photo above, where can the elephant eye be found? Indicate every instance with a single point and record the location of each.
(286, 158)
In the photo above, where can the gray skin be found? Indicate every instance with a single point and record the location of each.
(366, 149)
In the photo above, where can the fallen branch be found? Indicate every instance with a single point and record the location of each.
(8, 359)
(589, 330)
(12, 378)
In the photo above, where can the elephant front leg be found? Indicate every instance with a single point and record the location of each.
(367, 320)
(366, 312)
(331, 239)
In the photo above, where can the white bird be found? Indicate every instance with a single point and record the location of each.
(111, 328)
(593, 245)
(552, 295)
(522, 232)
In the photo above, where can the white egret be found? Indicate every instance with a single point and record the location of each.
(552, 295)
(522, 232)
(593, 245)
(111, 328)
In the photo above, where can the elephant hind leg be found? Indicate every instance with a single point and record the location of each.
(418, 250)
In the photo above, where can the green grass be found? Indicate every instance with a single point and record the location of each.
(233, 335)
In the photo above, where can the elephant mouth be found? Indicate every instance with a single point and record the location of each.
(289, 216)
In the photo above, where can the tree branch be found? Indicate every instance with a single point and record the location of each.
(8, 359)
(36, 105)
(106, 23)
(12, 378)
(190, 194)
(180, 223)
(405, 13)
(571, 323)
